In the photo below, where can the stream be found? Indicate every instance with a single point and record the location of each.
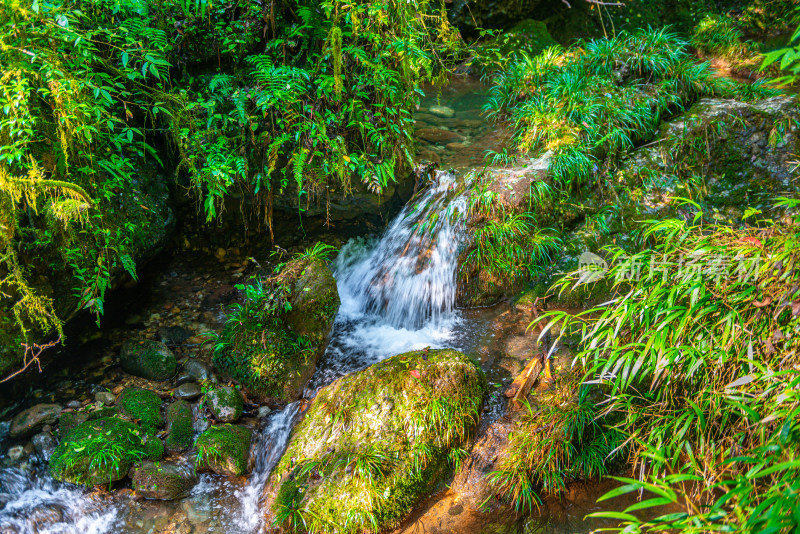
(398, 293)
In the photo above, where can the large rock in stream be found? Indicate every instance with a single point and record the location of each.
(375, 443)
(273, 353)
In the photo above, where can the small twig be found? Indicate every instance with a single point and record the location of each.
(599, 3)
(32, 354)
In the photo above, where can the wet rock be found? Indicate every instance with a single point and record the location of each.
(42, 516)
(141, 405)
(16, 453)
(194, 371)
(264, 411)
(224, 449)
(439, 136)
(173, 335)
(163, 481)
(188, 391)
(273, 356)
(340, 425)
(30, 421)
(442, 111)
(75, 460)
(5, 427)
(180, 429)
(198, 509)
(45, 444)
(74, 404)
(148, 359)
(226, 403)
(105, 397)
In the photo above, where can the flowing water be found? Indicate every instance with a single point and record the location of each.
(398, 293)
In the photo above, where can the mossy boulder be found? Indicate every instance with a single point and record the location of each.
(224, 449)
(180, 428)
(141, 405)
(148, 359)
(226, 403)
(375, 443)
(163, 481)
(98, 452)
(273, 352)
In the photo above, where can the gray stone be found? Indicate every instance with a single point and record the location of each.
(264, 411)
(45, 444)
(16, 453)
(163, 481)
(173, 335)
(188, 391)
(106, 397)
(226, 403)
(30, 421)
(74, 404)
(148, 359)
(442, 111)
(194, 371)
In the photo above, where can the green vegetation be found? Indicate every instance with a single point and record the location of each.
(373, 444)
(271, 340)
(99, 101)
(99, 452)
(697, 359)
(179, 426)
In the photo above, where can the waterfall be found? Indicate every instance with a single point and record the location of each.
(267, 451)
(398, 292)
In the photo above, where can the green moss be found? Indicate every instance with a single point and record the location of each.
(179, 426)
(149, 359)
(153, 448)
(373, 444)
(224, 449)
(142, 405)
(98, 452)
(162, 481)
(226, 403)
(69, 420)
(272, 352)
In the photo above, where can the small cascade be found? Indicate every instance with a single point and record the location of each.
(398, 292)
(37, 504)
(267, 451)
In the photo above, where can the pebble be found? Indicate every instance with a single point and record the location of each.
(105, 397)
(188, 391)
(16, 453)
(442, 111)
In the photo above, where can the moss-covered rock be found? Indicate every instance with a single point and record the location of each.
(273, 352)
(148, 359)
(98, 452)
(180, 428)
(224, 449)
(163, 481)
(153, 448)
(141, 405)
(30, 421)
(226, 403)
(69, 420)
(374, 443)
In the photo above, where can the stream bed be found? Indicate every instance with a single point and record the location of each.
(398, 293)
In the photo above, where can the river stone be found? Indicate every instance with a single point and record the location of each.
(162, 481)
(173, 335)
(194, 371)
(188, 391)
(340, 425)
(45, 444)
(439, 136)
(148, 359)
(442, 111)
(106, 397)
(141, 405)
(32, 420)
(226, 403)
(16, 453)
(44, 516)
(274, 357)
(180, 429)
(224, 449)
(73, 461)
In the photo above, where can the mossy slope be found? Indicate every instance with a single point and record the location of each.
(374, 443)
